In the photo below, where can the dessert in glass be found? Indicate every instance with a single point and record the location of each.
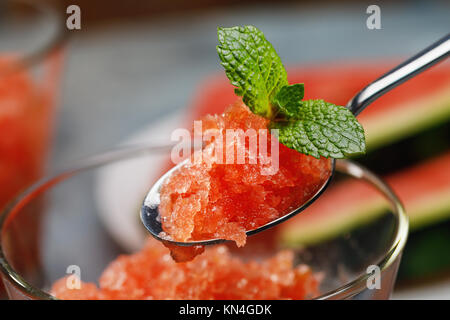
(210, 197)
(66, 231)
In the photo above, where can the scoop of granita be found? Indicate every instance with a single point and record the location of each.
(152, 274)
(230, 187)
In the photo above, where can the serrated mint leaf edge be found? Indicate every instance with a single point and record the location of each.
(357, 135)
(308, 145)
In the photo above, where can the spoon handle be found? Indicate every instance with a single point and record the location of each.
(423, 60)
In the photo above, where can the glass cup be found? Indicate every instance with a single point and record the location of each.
(31, 41)
(55, 225)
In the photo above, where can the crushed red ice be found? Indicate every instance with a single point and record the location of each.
(206, 199)
(216, 274)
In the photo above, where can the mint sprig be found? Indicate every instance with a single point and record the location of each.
(252, 65)
(312, 127)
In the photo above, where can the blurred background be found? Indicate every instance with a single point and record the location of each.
(135, 66)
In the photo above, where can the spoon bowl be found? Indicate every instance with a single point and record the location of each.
(151, 219)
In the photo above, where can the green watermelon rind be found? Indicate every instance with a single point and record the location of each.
(307, 234)
(396, 124)
(431, 209)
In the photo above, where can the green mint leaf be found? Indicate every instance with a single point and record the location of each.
(313, 127)
(288, 99)
(252, 66)
(322, 129)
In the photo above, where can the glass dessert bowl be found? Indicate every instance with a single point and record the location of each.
(52, 230)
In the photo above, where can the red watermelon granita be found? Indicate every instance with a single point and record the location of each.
(216, 274)
(270, 173)
(208, 200)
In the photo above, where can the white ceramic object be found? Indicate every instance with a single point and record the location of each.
(119, 187)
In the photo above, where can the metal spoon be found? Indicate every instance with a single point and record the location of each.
(418, 63)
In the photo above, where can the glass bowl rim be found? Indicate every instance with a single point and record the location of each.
(51, 45)
(347, 167)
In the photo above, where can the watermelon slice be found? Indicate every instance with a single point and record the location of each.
(423, 189)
